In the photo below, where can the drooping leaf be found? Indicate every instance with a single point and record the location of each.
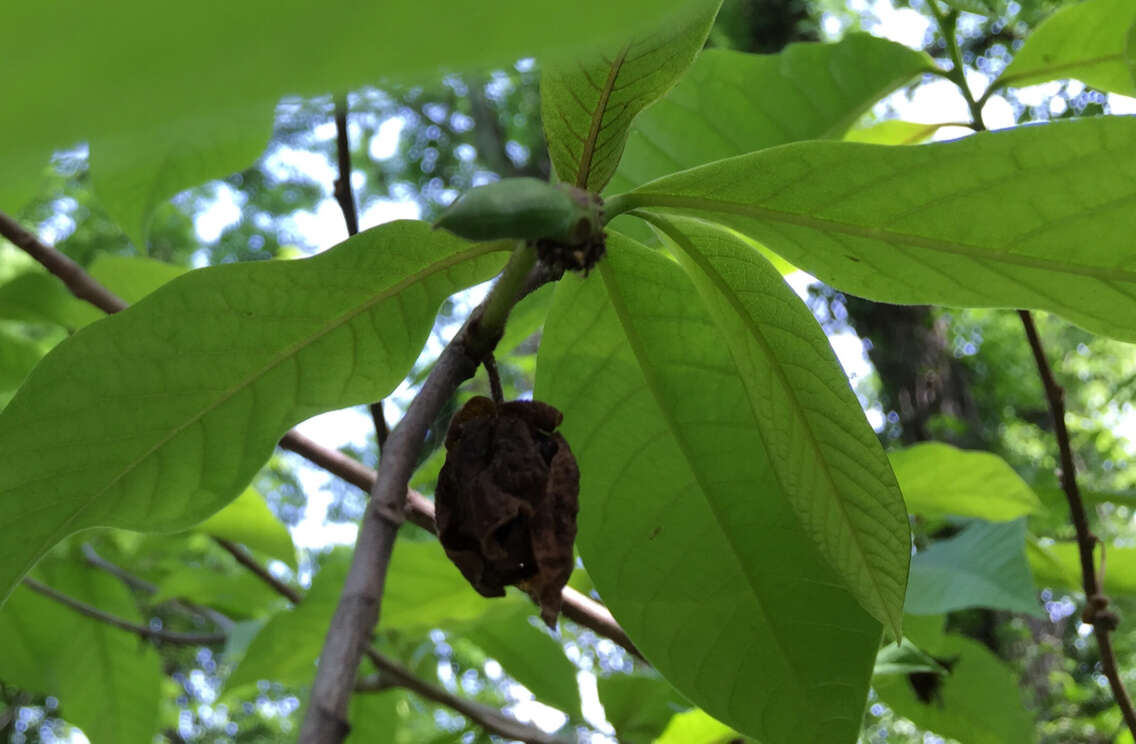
(587, 105)
(286, 648)
(1058, 565)
(132, 174)
(684, 525)
(940, 480)
(1087, 41)
(247, 519)
(38, 297)
(696, 727)
(978, 702)
(731, 103)
(638, 706)
(983, 566)
(154, 418)
(18, 355)
(132, 277)
(826, 458)
(528, 655)
(1048, 217)
(211, 63)
(106, 680)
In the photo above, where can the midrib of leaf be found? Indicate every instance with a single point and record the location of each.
(679, 201)
(598, 114)
(731, 297)
(636, 346)
(1007, 80)
(479, 250)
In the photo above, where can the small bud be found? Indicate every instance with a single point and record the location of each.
(517, 208)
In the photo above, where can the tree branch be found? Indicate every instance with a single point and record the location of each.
(490, 719)
(81, 284)
(251, 564)
(162, 636)
(361, 599)
(1096, 611)
(343, 193)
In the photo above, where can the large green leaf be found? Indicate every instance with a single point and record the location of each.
(247, 519)
(106, 680)
(1033, 217)
(940, 480)
(587, 105)
(1087, 41)
(18, 355)
(983, 566)
(125, 71)
(827, 460)
(155, 417)
(978, 702)
(638, 706)
(527, 654)
(684, 523)
(132, 174)
(731, 103)
(374, 716)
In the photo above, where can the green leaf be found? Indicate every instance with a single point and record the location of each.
(239, 595)
(826, 458)
(696, 727)
(132, 174)
(18, 355)
(893, 132)
(38, 297)
(983, 566)
(979, 702)
(424, 590)
(528, 655)
(904, 658)
(684, 525)
(374, 716)
(638, 706)
(940, 480)
(587, 105)
(1087, 41)
(182, 396)
(1048, 217)
(286, 648)
(731, 103)
(1059, 565)
(247, 519)
(132, 277)
(206, 63)
(106, 680)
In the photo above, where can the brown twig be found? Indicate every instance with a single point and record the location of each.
(161, 636)
(391, 673)
(222, 621)
(495, 388)
(346, 198)
(81, 284)
(343, 193)
(1096, 611)
(245, 559)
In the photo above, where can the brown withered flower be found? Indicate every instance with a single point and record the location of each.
(507, 500)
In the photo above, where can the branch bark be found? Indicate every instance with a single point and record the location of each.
(1096, 611)
(161, 636)
(358, 610)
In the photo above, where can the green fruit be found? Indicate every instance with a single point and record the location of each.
(522, 209)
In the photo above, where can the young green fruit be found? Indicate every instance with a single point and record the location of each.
(524, 209)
